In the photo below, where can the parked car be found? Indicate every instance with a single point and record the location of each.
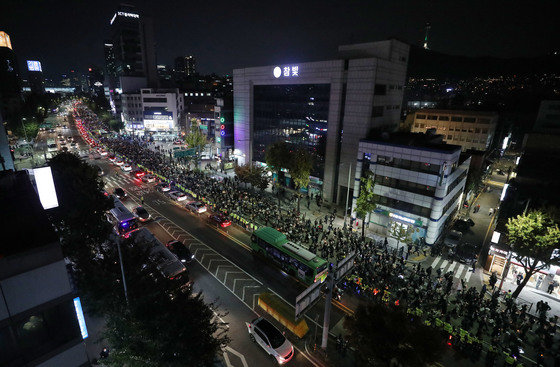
(220, 219)
(127, 167)
(262, 332)
(463, 225)
(177, 195)
(138, 173)
(163, 187)
(452, 239)
(182, 252)
(148, 178)
(196, 207)
(466, 253)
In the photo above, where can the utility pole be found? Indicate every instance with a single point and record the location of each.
(348, 192)
(122, 271)
(328, 305)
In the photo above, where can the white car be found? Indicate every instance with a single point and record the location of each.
(262, 332)
(196, 207)
(103, 152)
(126, 167)
(119, 162)
(148, 178)
(177, 196)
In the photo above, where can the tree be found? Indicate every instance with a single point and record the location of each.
(378, 332)
(300, 167)
(196, 139)
(367, 200)
(252, 174)
(277, 156)
(243, 172)
(533, 237)
(116, 125)
(401, 232)
(80, 216)
(164, 323)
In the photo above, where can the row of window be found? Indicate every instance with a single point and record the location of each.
(405, 185)
(154, 100)
(451, 202)
(467, 139)
(405, 207)
(408, 164)
(456, 182)
(282, 258)
(381, 89)
(464, 129)
(481, 120)
(25, 339)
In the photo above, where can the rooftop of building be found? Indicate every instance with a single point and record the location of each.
(458, 112)
(24, 221)
(428, 140)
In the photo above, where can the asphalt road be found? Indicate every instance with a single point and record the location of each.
(225, 269)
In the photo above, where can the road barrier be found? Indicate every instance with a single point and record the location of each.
(283, 313)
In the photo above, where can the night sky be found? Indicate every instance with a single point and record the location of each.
(224, 35)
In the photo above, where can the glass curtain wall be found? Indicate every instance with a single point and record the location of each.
(296, 114)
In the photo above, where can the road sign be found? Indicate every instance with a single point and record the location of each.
(184, 153)
(307, 299)
(344, 266)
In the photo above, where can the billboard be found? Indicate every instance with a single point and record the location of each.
(45, 187)
(5, 40)
(34, 65)
(158, 120)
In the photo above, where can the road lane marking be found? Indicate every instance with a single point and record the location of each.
(239, 355)
(443, 265)
(231, 272)
(248, 286)
(235, 280)
(468, 276)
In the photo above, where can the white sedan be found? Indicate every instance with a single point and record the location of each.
(177, 196)
(148, 178)
(196, 207)
(119, 162)
(126, 167)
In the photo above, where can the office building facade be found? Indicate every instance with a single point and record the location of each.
(469, 129)
(10, 79)
(41, 323)
(154, 111)
(418, 178)
(185, 66)
(325, 107)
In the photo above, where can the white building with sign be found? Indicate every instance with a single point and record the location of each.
(313, 104)
(153, 111)
(418, 178)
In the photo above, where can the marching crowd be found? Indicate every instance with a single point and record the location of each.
(381, 273)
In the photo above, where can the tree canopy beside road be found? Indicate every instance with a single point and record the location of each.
(164, 323)
(533, 237)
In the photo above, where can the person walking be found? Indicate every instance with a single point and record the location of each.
(493, 279)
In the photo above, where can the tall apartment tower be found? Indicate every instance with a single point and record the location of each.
(133, 43)
(185, 65)
(427, 28)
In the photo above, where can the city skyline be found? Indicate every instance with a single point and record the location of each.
(262, 34)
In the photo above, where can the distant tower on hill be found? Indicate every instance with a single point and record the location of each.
(427, 28)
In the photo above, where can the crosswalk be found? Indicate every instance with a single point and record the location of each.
(460, 271)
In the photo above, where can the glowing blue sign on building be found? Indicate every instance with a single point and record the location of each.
(81, 319)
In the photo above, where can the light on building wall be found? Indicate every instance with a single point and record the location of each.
(504, 192)
(45, 187)
(495, 237)
(81, 318)
(517, 160)
(400, 217)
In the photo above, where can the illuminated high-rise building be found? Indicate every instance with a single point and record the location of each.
(10, 82)
(427, 28)
(185, 66)
(133, 46)
(35, 77)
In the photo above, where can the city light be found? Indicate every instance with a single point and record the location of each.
(504, 192)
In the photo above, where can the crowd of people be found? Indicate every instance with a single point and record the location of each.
(381, 273)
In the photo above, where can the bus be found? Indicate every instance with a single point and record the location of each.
(292, 258)
(167, 263)
(51, 146)
(122, 219)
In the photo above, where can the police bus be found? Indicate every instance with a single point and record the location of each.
(292, 258)
(167, 263)
(124, 222)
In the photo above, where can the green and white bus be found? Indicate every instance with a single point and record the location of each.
(291, 257)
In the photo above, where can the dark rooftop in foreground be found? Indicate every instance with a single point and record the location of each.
(428, 140)
(25, 224)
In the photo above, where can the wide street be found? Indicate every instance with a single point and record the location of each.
(225, 269)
